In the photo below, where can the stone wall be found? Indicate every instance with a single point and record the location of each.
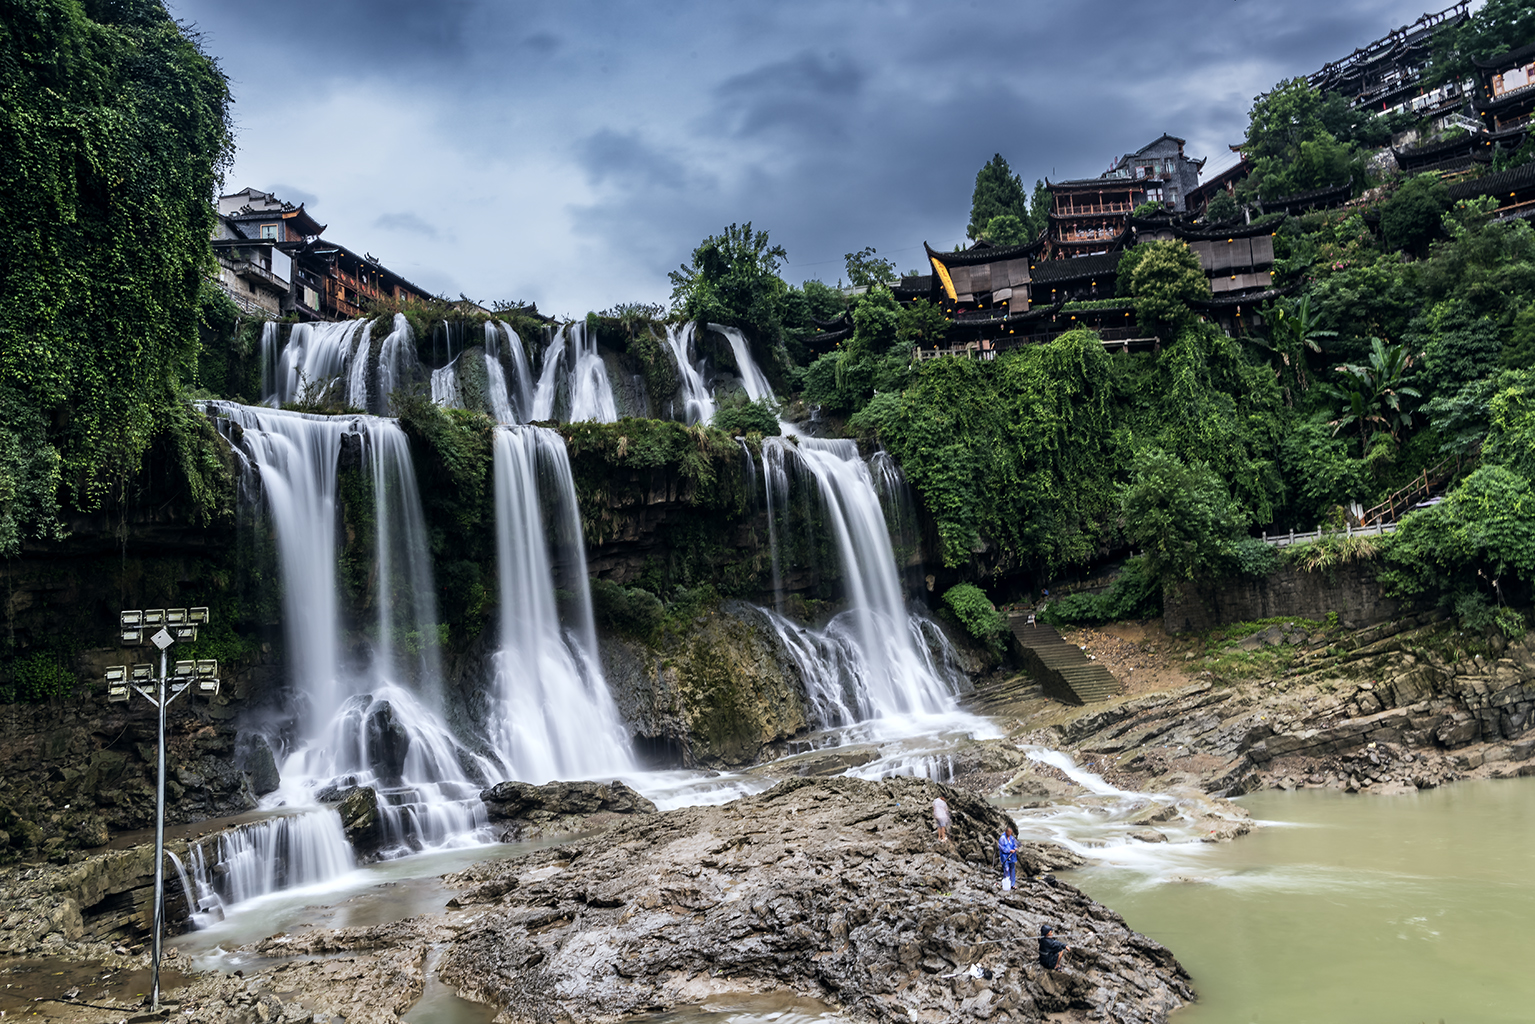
(1349, 590)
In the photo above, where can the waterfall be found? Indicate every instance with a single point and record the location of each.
(315, 356)
(446, 390)
(381, 725)
(519, 397)
(574, 371)
(357, 384)
(397, 364)
(752, 378)
(557, 719)
(269, 371)
(697, 403)
(775, 489)
(263, 857)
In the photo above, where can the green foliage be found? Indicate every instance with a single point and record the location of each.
(1323, 474)
(997, 191)
(975, 611)
(1497, 27)
(1411, 216)
(1020, 450)
(865, 269)
(1182, 516)
(1290, 145)
(1006, 229)
(1477, 541)
(1148, 209)
(38, 677)
(746, 417)
(114, 132)
(632, 611)
(1371, 396)
(1136, 593)
(733, 280)
(1222, 208)
(922, 323)
(1457, 346)
(1511, 426)
(29, 476)
(1162, 278)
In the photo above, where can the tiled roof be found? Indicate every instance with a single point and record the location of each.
(1102, 265)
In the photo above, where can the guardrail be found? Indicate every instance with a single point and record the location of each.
(1284, 540)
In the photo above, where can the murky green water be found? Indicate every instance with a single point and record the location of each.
(1351, 910)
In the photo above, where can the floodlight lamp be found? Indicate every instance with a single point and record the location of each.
(131, 637)
(131, 618)
(143, 673)
(184, 670)
(118, 694)
(208, 687)
(116, 674)
(197, 616)
(154, 616)
(183, 634)
(175, 616)
(207, 668)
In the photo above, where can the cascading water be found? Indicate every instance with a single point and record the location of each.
(752, 378)
(380, 724)
(697, 404)
(263, 857)
(574, 372)
(557, 719)
(514, 398)
(315, 356)
(397, 364)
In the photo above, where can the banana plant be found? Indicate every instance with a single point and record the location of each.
(1372, 395)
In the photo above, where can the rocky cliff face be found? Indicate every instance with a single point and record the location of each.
(714, 696)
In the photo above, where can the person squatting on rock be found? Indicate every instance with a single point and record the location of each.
(1007, 846)
(1051, 949)
(941, 816)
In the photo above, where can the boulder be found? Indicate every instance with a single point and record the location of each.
(388, 742)
(261, 765)
(507, 801)
(360, 819)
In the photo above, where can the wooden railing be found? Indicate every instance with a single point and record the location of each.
(1399, 503)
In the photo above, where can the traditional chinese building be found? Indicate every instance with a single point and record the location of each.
(1171, 175)
(1089, 216)
(1387, 75)
(273, 260)
(1505, 96)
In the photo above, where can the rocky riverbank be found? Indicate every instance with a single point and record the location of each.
(831, 889)
(1401, 706)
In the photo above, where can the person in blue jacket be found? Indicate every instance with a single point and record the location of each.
(1007, 845)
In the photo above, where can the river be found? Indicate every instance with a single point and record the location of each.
(1345, 909)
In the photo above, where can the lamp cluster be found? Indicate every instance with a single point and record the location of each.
(162, 627)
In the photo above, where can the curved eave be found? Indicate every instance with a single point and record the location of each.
(974, 257)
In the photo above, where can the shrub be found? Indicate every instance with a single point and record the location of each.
(975, 611)
(746, 418)
(1134, 594)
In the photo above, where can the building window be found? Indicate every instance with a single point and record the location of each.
(269, 231)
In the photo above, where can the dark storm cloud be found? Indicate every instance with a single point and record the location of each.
(614, 135)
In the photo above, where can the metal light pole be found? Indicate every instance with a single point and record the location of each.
(161, 627)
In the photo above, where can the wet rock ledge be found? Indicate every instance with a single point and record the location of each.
(836, 889)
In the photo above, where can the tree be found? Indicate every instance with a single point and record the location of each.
(1222, 208)
(1293, 328)
(1371, 395)
(922, 323)
(865, 269)
(1289, 145)
(1006, 229)
(114, 134)
(1411, 216)
(997, 191)
(1162, 278)
(1182, 516)
(733, 279)
(1498, 27)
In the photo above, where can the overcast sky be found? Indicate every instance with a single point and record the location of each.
(572, 153)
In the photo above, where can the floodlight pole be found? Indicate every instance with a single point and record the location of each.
(154, 976)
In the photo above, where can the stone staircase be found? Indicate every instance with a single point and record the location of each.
(1063, 671)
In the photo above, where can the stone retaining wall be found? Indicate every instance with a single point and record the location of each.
(1350, 590)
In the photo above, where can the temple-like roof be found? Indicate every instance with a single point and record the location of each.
(1099, 184)
(1212, 233)
(1507, 59)
(1218, 301)
(1101, 265)
(1314, 197)
(989, 254)
(1499, 183)
(1445, 146)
